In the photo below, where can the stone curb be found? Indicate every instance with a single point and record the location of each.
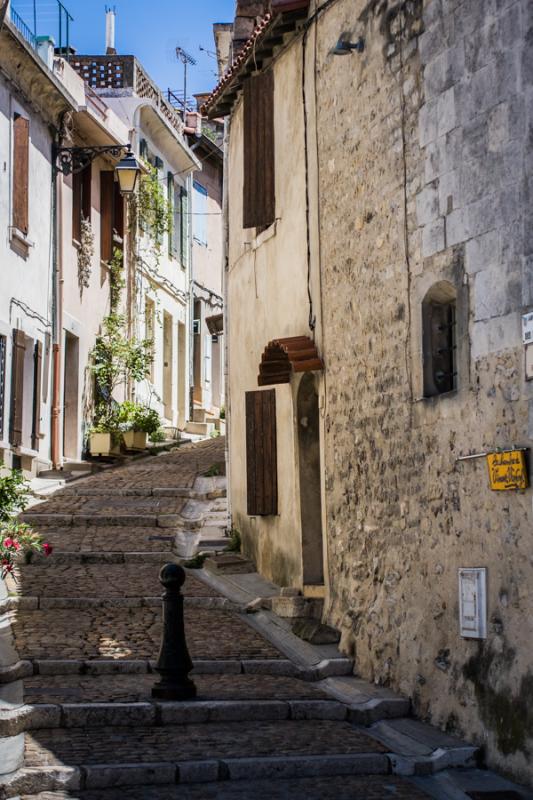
(100, 776)
(439, 760)
(189, 494)
(46, 603)
(280, 667)
(156, 714)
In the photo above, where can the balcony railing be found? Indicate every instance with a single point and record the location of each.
(22, 28)
(125, 72)
(49, 18)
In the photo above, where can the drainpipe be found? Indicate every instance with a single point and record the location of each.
(225, 275)
(57, 311)
(191, 299)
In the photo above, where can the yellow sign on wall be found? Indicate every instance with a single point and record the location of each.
(507, 470)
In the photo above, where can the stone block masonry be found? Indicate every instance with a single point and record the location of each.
(432, 125)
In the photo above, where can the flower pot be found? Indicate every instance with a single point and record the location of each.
(135, 440)
(101, 444)
(186, 543)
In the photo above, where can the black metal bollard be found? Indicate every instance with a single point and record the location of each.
(174, 663)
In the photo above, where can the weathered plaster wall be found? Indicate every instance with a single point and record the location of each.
(267, 299)
(436, 125)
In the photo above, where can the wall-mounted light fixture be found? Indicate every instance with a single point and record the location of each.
(345, 46)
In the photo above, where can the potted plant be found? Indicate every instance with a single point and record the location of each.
(137, 423)
(105, 435)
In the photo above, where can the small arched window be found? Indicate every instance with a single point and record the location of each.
(439, 330)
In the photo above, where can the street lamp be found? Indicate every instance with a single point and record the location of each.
(128, 171)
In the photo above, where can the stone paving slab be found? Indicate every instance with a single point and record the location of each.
(54, 579)
(137, 688)
(133, 633)
(195, 742)
(345, 787)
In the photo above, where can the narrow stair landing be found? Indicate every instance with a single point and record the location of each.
(274, 716)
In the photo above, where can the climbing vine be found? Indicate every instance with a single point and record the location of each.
(153, 207)
(85, 254)
(116, 357)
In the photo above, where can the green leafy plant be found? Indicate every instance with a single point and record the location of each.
(154, 209)
(136, 417)
(197, 562)
(13, 494)
(213, 471)
(222, 413)
(214, 434)
(116, 357)
(158, 436)
(235, 542)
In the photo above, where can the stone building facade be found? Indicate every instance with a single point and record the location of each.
(409, 186)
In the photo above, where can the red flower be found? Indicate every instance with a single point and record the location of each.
(8, 542)
(47, 548)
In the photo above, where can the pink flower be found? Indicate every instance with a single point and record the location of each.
(47, 548)
(8, 542)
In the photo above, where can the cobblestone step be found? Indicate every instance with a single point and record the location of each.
(133, 633)
(136, 688)
(344, 787)
(90, 539)
(128, 576)
(108, 519)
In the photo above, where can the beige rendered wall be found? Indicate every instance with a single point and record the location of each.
(403, 514)
(267, 299)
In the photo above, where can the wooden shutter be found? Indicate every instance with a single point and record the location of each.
(107, 180)
(37, 375)
(184, 227)
(76, 206)
(171, 227)
(261, 453)
(21, 150)
(86, 177)
(259, 191)
(17, 387)
(118, 213)
(3, 349)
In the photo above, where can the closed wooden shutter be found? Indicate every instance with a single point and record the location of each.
(118, 214)
(76, 206)
(107, 180)
(17, 387)
(86, 178)
(259, 190)
(3, 349)
(172, 215)
(261, 453)
(184, 227)
(21, 152)
(37, 375)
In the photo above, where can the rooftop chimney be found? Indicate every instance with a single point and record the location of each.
(110, 15)
(248, 14)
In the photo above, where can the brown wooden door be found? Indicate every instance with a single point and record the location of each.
(261, 453)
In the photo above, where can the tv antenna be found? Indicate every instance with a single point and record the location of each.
(185, 59)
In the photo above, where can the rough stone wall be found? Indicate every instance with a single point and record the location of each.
(424, 158)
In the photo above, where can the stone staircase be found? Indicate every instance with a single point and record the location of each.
(274, 715)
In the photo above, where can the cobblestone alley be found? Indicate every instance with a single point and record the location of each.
(86, 625)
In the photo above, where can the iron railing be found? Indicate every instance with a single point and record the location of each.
(49, 17)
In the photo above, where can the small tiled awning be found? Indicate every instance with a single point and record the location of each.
(281, 357)
(215, 324)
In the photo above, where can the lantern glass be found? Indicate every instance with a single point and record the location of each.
(127, 173)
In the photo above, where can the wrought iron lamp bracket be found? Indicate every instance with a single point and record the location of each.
(70, 160)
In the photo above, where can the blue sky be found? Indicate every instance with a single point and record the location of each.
(149, 29)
